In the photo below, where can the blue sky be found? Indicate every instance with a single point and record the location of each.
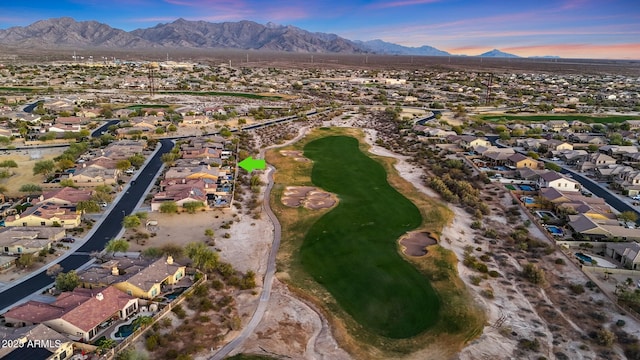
(567, 28)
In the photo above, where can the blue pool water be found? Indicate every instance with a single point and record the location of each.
(175, 294)
(525, 187)
(543, 213)
(528, 200)
(583, 257)
(126, 330)
(554, 230)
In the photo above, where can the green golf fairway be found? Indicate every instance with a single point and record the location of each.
(352, 249)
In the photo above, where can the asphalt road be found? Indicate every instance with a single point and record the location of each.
(98, 131)
(107, 230)
(612, 199)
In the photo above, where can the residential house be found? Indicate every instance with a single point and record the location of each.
(195, 120)
(100, 162)
(557, 125)
(626, 253)
(66, 196)
(558, 181)
(35, 342)
(45, 214)
(633, 124)
(601, 229)
(596, 160)
(470, 142)
(80, 314)
(196, 172)
(529, 143)
(60, 128)
(92, 176)
(618, 151)
(629, 180)
(180, 194)
(572, 202)
(200, 153)
(610, 173)
(557, 145)
(587, 139)
(572, 157)
(29, 239)
(142, 278)
(495, 155)
(122, 113)
(123, 149)
(71, 121)
(518, 161)
(7, 262)
(89, 113)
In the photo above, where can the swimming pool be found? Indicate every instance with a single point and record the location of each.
(528, 200)
(556, 231)
(542, 213)
(127, 329)
(175, 294)
(583, 257)
(526, 188)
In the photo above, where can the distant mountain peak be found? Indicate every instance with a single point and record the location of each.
(382, 47)
(498, 53)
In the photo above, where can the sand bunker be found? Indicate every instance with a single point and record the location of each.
(307, 196)
(414, 244)
(295, 154)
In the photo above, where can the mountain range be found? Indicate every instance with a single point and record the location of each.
(68, 33)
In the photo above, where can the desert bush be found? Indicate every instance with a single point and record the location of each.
(534, 274)
(576, 288)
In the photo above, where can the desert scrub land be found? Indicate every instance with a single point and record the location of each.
(443, 315)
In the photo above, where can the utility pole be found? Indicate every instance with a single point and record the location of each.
(489, 83)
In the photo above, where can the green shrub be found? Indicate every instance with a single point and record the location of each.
(576, 289)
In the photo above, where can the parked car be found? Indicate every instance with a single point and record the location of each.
(68, 240)
(637, 197)
(104, 204)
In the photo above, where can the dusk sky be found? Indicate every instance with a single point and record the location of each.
(567, 28)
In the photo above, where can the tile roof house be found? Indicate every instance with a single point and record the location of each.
(92, 176)
(28, 240)
(596, 160)
(66, 196)
(557, 181)
(78, 313)
(141, 278)
(196, 172)
(627, 253)
(553, 144)
(45, 214)
(39, 342)
(200, 153)
(195, 120)
(180, 194)
(521, 161)
(601, 229)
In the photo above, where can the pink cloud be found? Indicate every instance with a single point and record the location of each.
(605, 51)
(392, 4)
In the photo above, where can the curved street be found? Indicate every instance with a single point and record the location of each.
(103, 231)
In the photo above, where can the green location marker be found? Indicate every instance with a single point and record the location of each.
(251, 164)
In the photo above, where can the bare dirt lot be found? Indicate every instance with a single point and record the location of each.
(23, 174)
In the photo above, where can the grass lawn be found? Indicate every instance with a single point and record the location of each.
(352, 250)
(568, 117)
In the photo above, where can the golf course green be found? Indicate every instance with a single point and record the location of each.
(352, 249)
